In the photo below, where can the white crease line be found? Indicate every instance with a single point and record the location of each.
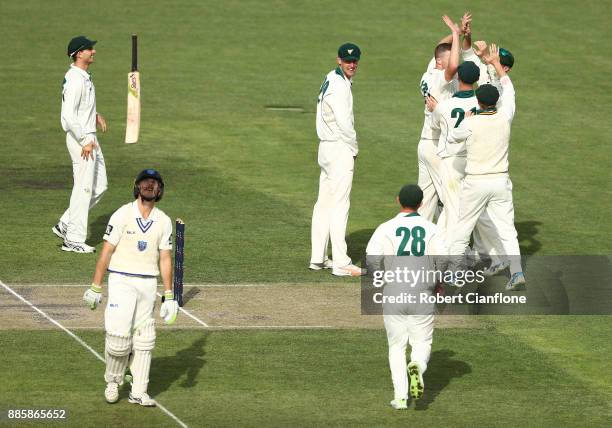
(193, 317)
(78, 339)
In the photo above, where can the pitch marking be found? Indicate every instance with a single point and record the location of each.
(81, 342)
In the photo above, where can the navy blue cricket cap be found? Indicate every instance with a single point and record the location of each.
(79, 43)
(349, 52)
(410, 196)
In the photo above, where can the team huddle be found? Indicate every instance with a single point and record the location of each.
(463, 184)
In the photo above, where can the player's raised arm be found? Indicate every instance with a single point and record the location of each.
(466, 30)
(453, 63)
(507, 97)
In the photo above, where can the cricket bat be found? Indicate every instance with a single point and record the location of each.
(133, 99)
(178, 262)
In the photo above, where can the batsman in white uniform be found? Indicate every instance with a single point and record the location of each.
(137, 249)
(439, 82)
(79, 119)
(409, 240)
(487, 186)
(337, 152)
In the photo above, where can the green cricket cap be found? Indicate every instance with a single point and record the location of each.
(79, 43)
(468, 72)
(410, 196)
(349, 52)
(487, 95)
(506, 58)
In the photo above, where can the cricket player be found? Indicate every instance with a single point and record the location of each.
(411, 240)
(79, 119)
(440, 83)
(338, 149)
(487, 186)
(137, 248)
(446, 116)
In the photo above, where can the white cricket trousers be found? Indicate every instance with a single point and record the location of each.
(401, 330)
(131, 301)
(89, 184)
(452, 173)
(330, 214)
(490, 194)
(429, 178)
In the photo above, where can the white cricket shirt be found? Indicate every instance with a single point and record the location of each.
(448, 115)
(78, 114)
(434, 83)
(487, 135)
(137, 241)
(335, 120)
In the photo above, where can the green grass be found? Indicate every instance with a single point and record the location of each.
(335, 378)
(245, 178)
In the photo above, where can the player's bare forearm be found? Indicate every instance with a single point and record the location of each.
(453, 63)
(165, 268)
(101, 122)
(103, 262)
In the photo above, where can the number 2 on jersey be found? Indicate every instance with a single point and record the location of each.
(461, 113)
(417, 236)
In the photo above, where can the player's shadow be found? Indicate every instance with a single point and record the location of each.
(184, 365)
(98, 227)
(357, 242)
(527, 230)
(441, 369)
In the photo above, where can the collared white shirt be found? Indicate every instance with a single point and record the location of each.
(137, 240)
(78, 114)
(335, 120)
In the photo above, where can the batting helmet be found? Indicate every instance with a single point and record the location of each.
(149, 173)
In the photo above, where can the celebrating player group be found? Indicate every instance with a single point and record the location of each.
(463, 184)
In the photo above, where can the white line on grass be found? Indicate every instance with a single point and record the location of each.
(81, 342)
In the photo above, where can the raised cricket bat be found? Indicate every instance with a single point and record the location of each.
(133, 99)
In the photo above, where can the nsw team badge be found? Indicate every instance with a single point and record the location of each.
(142, 245)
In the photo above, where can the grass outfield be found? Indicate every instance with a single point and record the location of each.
(478, 377)
(244, 178)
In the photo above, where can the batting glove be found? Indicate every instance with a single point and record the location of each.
(93, 296)
(169, 308)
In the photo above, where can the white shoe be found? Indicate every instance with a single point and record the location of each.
(327, 264)
(143, 400)
(77, 247)
(111, 393)
(495, 269)
(517, 282)
(349, 270)
(59, 230)
(399, 404)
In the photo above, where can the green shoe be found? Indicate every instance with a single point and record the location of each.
(399, 404)
(416, 381)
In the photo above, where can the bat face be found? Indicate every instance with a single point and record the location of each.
(133, 108)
